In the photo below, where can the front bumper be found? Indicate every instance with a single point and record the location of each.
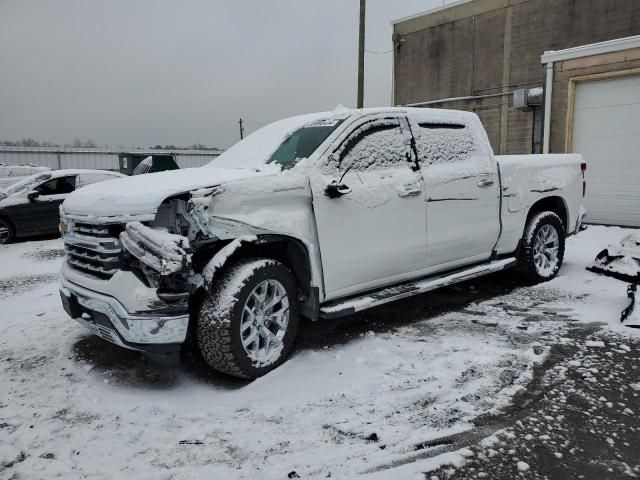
(106, 317)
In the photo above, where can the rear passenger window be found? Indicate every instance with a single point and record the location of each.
(440, 143)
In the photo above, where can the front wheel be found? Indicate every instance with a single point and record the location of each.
(248, 322)
(542, 247)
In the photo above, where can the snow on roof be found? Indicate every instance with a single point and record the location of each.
(599, 48)
(256, 149)
(81, 171)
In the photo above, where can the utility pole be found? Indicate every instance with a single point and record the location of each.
(241, 129)
(361, 56)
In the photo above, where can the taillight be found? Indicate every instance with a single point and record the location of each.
(583, 168)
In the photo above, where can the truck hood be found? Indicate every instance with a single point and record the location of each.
(143, 194)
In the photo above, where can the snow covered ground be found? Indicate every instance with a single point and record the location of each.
(372, 397)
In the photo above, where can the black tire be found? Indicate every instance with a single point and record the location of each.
(7, 231)
(531, 272)
(218, 334)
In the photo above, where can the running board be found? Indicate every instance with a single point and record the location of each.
(351, 305)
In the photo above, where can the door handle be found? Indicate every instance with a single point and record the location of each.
(409, 190)
(485, 182)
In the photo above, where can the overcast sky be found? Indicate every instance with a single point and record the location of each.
(143, 72)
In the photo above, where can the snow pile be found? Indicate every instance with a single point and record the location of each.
(349, 402)
(622, 259)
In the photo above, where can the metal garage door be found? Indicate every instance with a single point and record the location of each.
(606, 131)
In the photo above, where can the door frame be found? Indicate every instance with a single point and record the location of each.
(593, 77)
(318, 170)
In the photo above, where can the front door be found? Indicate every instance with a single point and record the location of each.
(373, 232)
(41, 215)
(462, 190)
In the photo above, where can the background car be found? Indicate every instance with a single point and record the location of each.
(31, 206)
(10, 174)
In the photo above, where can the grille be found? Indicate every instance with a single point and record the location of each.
(93, 250)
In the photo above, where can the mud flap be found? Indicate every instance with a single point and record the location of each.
(631, 315)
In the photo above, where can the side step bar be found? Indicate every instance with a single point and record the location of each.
(351, 305)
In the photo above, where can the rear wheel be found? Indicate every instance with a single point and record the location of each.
(248, 322)
(7, 232)
(542, 247)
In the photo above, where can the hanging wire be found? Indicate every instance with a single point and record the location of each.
(376, 52)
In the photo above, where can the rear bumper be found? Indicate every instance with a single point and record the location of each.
(106, 317)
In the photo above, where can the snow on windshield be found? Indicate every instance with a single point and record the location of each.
(26, 183)
(255, 151)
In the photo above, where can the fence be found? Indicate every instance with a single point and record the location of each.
(94, 158)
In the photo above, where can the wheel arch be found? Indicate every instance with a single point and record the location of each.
(553, 204)
(291, 252)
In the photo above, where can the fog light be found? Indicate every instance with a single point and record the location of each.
(63, 227)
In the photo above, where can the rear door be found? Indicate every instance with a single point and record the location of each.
(462, 189)
(374, 233)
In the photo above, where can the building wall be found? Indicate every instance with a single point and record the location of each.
(492, 46)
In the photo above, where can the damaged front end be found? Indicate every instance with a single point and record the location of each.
(164, 252)
(143, 302)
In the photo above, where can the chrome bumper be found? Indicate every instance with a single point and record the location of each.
(111, 321)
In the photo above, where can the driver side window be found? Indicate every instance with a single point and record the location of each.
(377, 144)
(58, 186)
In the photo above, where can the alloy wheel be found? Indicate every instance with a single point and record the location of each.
(545, 250)
(264, 322)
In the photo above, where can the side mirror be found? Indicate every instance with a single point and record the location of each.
(335, 190)
(33, 194)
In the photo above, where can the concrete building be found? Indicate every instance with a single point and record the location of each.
(542, 75)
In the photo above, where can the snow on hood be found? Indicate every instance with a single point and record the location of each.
(143, 194)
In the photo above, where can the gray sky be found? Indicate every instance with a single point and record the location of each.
(142, 72)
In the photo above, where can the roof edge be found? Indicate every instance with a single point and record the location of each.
(429, 12)
(591, 49)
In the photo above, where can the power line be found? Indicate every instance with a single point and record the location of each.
(376, 52)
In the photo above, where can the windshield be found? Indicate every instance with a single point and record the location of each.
(26, 183)
(281, 142)
(302, 143)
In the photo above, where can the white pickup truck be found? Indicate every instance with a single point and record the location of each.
(313, 217)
